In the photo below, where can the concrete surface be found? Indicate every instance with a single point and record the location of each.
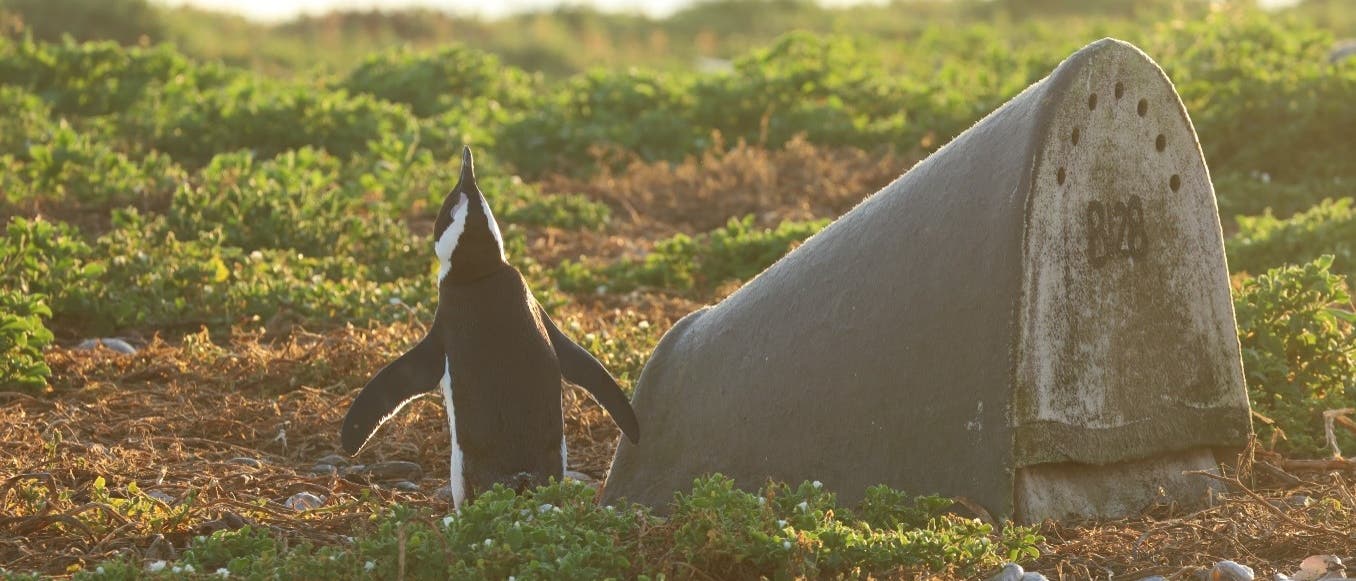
(1025, 313)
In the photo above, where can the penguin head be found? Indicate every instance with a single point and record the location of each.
(466, 237)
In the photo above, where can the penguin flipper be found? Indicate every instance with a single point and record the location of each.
(415, 373)
(580, 368)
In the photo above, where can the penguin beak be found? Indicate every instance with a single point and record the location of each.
(467, 181)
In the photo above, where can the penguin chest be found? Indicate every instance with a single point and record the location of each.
(505, 390)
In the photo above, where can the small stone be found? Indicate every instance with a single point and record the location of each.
(160, 549)
(243, 461)
(579, 476)
(443, 493)
(333, 460)
(1009, 572)
(1231, 571)
(396, 470)
(112, 343)
(405, 486)
(1154, 578)
(229, 521)
(304, 501)
(354, 470)
(160, 496)
(322, 470)
(1321, 568)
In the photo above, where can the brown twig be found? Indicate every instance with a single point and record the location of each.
(1235, 482)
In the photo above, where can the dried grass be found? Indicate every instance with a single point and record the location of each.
(173, 416)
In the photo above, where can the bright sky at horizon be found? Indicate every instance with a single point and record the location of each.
(282, 9)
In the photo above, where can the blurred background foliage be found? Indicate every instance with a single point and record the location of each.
(162, 168)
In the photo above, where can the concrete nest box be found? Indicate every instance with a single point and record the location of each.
(1037, 318)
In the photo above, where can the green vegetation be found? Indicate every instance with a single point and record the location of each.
(1327, 228)
(735, 252)
(244, 177)
(559, 532)
(179, 193)
(1298, 333)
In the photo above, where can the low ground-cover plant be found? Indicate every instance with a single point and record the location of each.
(737, 251)
(1298, 333)
(22, 338)
(558, 532)
(1266, 241)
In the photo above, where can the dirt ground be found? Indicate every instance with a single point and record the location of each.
(240, 426)
(238, 423)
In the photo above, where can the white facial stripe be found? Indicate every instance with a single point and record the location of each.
(494, 228)
(448, 241)
(458, 480)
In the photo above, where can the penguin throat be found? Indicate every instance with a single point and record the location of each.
(474, 268)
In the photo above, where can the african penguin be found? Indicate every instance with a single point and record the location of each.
(495, 356)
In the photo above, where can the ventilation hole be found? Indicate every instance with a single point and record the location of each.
(1074, 137)
(1059, 177)
(1143, 107)
(1175, 182)
(1120, 89)
(1161, 143)
(1092, 101)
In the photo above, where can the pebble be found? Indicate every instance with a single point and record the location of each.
(229, 521)
(333, 460)
(1293, 501)
(160, 549)
(304, 501)
(1014, 572)
(322, 470)
(1318, 568)
(396, 470)
(443, 493)
(405, 486)
(112, 343)
(1231, 571)
(243, 461)
(160, 496)
(580, 476)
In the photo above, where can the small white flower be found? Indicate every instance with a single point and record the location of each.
(156, 566)
(200, 538)
(369, 566)
(781, 523)
(447, 521)
(176, 569)
(803, 506)
(489, 542)
(223, 572)
(99, 570)
(545, 507)
(643, 324)
(256, 255)
(786, 544)
(395, 300)
(512, 578)
(817, 484)
(189, 569)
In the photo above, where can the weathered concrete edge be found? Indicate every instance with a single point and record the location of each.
(1039, 443)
